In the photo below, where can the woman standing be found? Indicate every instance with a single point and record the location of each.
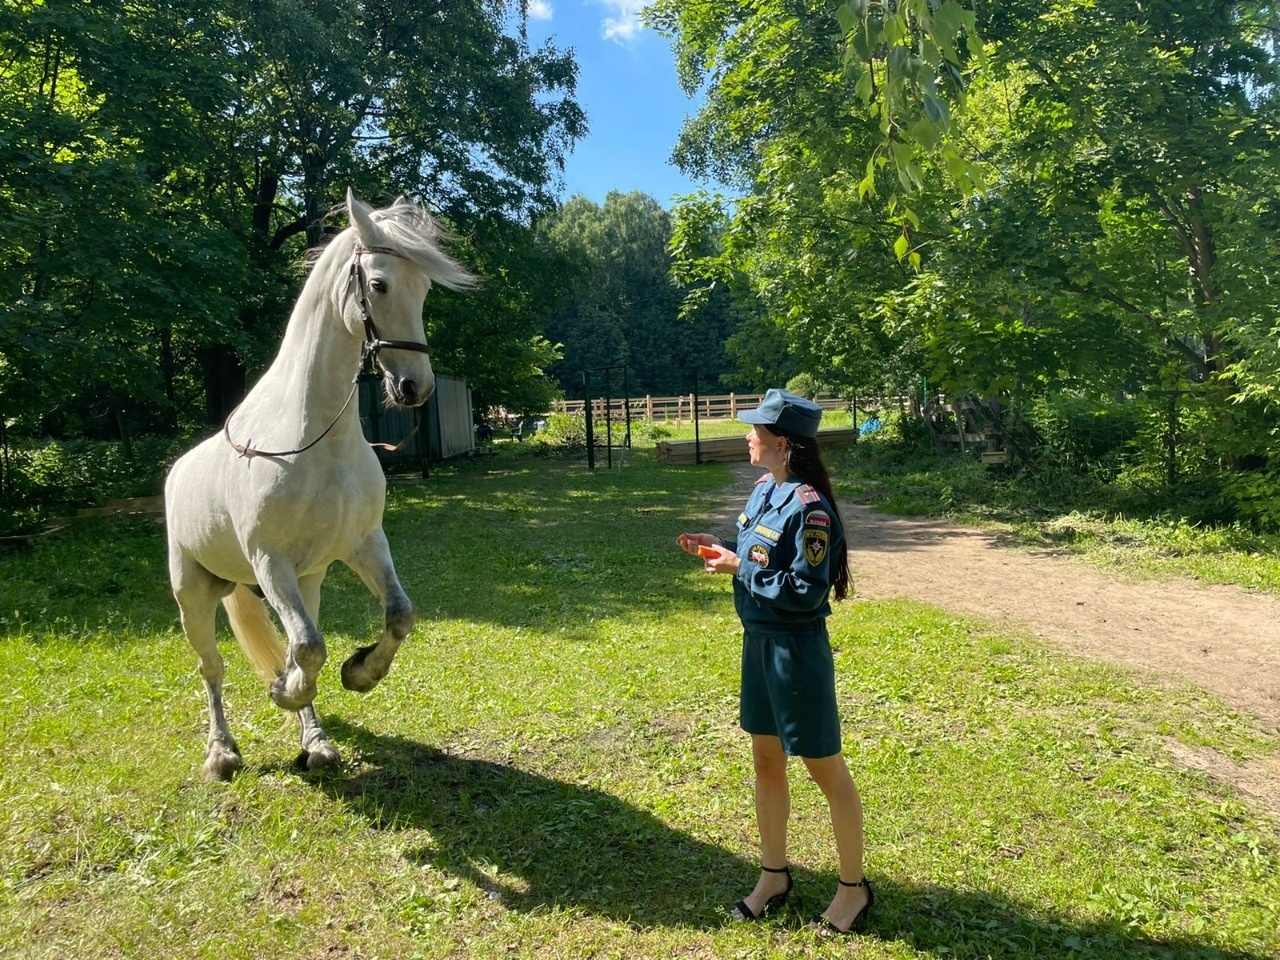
(789, 556)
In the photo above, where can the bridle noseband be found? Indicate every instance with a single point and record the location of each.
(373, 343)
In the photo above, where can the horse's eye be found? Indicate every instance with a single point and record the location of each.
(378, 286)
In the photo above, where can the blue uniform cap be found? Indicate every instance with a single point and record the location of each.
(787, 412)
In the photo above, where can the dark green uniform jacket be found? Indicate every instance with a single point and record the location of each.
(786, 539)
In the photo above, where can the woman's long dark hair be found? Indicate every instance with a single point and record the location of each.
(804, 462)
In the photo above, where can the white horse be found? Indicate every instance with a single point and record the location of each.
(290, 485)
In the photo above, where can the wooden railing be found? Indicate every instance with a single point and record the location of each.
(680, 408)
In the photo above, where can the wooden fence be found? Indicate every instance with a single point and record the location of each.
(722, 407)
(730, 449)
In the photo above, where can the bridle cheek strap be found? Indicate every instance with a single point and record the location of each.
(373, 341)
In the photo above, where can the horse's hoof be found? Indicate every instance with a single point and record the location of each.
(355, 675)
(221, 764)
(320, 756)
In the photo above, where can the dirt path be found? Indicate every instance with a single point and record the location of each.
(1222, 639)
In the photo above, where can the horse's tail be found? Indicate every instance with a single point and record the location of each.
(258, 636)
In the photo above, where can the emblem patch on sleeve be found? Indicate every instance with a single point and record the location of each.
(815, 545)
(818, 518)
(758, 554)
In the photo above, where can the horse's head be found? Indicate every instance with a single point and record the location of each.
(395, 259)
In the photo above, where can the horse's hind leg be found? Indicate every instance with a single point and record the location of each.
(198, 592)
(368, 665)
(318, 750)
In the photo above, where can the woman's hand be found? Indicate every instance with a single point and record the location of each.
(711, 549)
(690, 542)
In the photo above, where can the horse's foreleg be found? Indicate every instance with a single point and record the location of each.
(368, 665)
(295, 688)
(318, 750)
(198, 593)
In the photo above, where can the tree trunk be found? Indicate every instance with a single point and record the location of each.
(224, 381)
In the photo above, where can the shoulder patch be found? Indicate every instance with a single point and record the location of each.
(766, 477)
(807, 494)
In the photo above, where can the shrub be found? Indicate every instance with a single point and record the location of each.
(567, 430)
(805, 385)
(650, 430)
(52, 476)
(1085, 434)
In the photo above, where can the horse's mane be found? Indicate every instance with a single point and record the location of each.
(418, 237)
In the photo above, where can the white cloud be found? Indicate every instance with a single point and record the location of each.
(539, 10)
(626, 25)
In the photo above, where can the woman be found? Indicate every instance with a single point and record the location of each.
(789, 556)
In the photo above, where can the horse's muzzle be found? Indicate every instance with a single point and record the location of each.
(407, 393)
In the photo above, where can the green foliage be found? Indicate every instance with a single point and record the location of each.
(1085, 434)
(805, 385)
(170, 160)
(1255, 495)
(46, 479)
(566, 430)
(651, 431)
(1013, 200)
(619, 306)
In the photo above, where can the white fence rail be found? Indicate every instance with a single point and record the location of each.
(679, 408)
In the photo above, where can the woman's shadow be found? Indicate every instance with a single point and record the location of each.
(539, 843)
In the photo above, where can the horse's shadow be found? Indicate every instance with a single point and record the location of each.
(540, 843)
(533, 841)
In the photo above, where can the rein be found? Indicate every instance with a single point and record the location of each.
(373, 342)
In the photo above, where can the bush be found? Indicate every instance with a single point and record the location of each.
(805, 385)
(567, 430)
(650, 430)
(51, 477)
(1085, 434)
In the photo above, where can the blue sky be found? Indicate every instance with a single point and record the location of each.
(627, 86)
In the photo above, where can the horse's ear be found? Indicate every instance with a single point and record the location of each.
(366, 229)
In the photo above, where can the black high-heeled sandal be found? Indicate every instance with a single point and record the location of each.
(824, 926)
(744, 913)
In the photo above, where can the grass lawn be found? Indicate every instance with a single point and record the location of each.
(553, 767)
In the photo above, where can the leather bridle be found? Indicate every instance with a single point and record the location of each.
(373, 343)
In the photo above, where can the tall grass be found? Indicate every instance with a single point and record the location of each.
(553, 767)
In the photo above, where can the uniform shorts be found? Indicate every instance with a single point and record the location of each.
(789, 691)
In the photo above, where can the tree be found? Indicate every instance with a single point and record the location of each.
(621, 307)
(433, 100)
(164, 163)
(783, 125)
(107, 265)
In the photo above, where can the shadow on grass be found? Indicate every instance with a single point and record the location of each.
(941, 921)
(538, 842)
(541, 843)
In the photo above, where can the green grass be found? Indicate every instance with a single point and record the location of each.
(553, 767)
